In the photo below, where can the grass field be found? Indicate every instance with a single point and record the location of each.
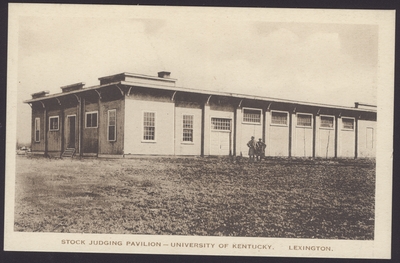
(197, 196)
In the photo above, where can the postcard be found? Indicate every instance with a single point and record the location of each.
(199, 130)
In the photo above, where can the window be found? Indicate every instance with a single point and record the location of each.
(220, 124)
(348, 123)
(188, 128)
(37, 129)
(251, 115)
(304, 120)
(112, 127)
(279, 118)
(149, 126)
(53, 123)
(327, 122)
(91, 119)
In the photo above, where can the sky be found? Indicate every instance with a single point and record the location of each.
(332, 63)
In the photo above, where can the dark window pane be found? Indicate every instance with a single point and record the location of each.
(348, 123)
(304, 120)
(91, 120)
(94, 120)
(326, 122)
(111, 133)
(88, 121)
(279, 118)
(250, 115)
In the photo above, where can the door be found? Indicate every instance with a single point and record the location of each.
(220, 139)
(71, 132)
(220, 142)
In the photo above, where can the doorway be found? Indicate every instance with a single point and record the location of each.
(220, 137)
(71, 131)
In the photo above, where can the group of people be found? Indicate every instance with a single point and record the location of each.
(256, 149)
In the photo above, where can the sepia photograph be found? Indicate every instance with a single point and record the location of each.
(199, 130)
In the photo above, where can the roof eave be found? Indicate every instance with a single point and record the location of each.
(244, 96)
(61, 94)
(206, 92)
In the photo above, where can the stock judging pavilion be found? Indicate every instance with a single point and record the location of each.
(132, 114)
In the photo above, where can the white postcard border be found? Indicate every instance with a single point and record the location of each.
(380, 247)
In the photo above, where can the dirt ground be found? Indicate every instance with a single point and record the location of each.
(288, 198)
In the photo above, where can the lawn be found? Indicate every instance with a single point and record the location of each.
(288, 198)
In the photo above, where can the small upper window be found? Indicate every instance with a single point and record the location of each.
(279, 118)
(348, 123)
(91, 119)
(304, 120)
(251, 115)
(53, 123)
(326, 122)
(221, 124)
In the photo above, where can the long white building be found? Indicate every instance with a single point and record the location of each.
(133, 114)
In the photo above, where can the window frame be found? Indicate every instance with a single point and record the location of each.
(348, 129)
(58, 123)
(108, 125)
(327, 128)
(97, 119)
(183, 129)
(223, 118)
(37, 128)
(279, 124)
(155, 126)
(253, 109)
(303, 126)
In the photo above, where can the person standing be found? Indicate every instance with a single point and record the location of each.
(252, 149)
(260, 149)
